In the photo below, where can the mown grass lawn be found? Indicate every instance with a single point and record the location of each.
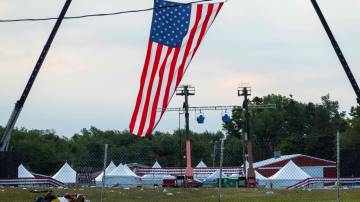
(175, 195)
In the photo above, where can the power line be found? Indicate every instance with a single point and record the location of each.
(98, 14)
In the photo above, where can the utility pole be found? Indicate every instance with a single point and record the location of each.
(186, 91)
(245, 91)
(5, 140)
(337, 50)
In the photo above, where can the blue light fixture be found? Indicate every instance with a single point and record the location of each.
(226, 118)
(200, 119)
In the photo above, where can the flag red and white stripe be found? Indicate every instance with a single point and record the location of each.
(164, 68)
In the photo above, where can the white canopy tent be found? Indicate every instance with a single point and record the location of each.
(66, 174)
(211, 180)
(24, 173)
(122, 176)
(216, 175)
(201, 165)
(156, 165)
(288, 175)
(201, 176)
(109, 168)
(151, 180)
(260, 179)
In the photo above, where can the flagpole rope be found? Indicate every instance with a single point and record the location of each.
(97, 14)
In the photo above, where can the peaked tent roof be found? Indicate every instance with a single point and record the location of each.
(110, 167)
(66, 174)
(108, 170)
(156, 165)
(122, 170)
(129, 171)
(201, 165)
(290, 172)
(24, 173)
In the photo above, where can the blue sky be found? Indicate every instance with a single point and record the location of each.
(91, 75)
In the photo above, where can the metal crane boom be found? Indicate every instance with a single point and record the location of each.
(5, 140)
(337, 50)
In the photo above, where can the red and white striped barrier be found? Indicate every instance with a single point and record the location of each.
(181, 171)
(316, 180)
(31, 181)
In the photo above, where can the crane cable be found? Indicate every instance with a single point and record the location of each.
(98, 14)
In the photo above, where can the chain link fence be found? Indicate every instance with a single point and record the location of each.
(130, 168)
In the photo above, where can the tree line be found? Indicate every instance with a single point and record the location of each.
(292, 127)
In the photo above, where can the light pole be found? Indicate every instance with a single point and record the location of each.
(245, 91)
(186, 91)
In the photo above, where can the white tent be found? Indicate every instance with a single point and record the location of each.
(211, 180)
(261, 180)
(288, 175)
(122, 176)
(109, 168)
(66, 174)
(201, 165)
(24, 173)
(150, 180)
(201, 175)
(156, 165)
(129, 171)
(216, 175)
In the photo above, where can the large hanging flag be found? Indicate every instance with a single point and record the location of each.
(176, 32)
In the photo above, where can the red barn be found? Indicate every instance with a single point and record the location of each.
(315, 167)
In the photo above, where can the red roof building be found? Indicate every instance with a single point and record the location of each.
(315, 167)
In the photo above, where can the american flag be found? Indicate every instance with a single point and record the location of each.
(176, 32)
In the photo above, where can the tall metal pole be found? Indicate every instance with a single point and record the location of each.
(186, 106)
(246, 91)
(338, 165)
(186, 91)
(5, 140)
(250, 172)
(104, 173)
(337, 50)
(188, 171)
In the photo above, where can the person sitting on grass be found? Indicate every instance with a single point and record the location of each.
(49, 197)
(72, 198)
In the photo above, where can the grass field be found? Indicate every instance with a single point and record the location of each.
(175, 195)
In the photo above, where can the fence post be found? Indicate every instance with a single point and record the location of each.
(221, 167)
(104, 174)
